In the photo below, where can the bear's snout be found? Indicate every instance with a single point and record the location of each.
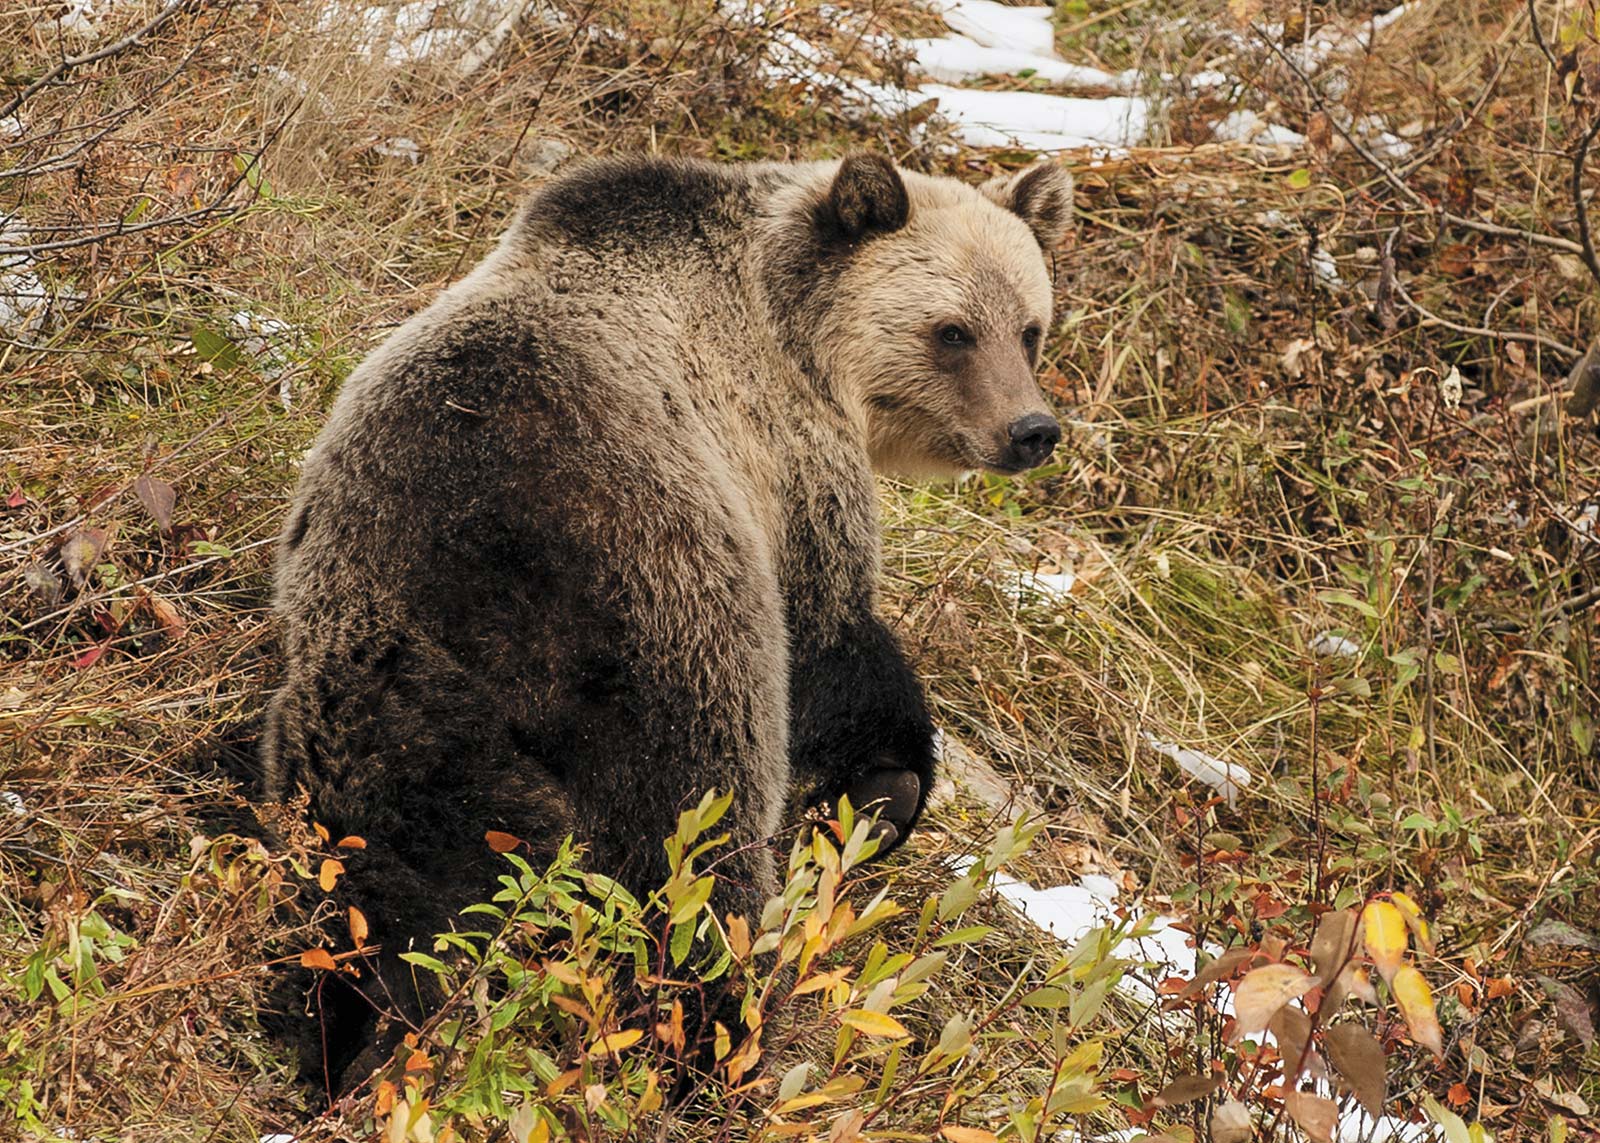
(1032, 439)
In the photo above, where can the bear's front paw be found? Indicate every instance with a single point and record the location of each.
(895, 795)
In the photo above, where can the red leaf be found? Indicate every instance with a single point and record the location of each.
(501, 842)
(90, 657)
(17, 498)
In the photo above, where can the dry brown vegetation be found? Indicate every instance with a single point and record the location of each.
(1307, 393)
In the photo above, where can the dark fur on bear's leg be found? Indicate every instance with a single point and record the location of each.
(860, 727)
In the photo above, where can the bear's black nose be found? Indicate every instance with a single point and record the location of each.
(1033, 438)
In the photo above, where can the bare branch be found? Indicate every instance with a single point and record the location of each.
(1430, 318)
(168, 11)
(1538, 38)
(1579, 157)
(1390, 176)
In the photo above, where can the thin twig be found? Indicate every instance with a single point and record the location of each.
(1431, 318)
(1390, 176)
(172, 8)
(1579, 157)
(1538, 38)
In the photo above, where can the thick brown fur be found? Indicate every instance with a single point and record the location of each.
(597, 530)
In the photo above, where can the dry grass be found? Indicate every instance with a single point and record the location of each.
(1214, 488)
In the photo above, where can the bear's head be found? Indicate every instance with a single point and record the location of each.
(937, 311)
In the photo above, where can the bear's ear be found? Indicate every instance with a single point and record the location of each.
(1041, 196)
(867, 197)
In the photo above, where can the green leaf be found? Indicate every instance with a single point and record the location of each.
(957, 897)
(1299, 179)
(423, 960)
(209, 345)
(970, 935)
(1345, 599)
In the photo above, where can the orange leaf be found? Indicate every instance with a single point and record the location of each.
(385, 1098)
(418, 1061)
(1262, 992)
(1501, 986)
(1459, 1095)
(317, 958)
(358, 927)
(328, 874)
(322, 830)
(968, 1134)
(351, 842)
(1415, 999)
(1384, 933)
(501, 842)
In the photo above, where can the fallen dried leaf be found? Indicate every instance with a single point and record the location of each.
(317, 958)
(501, 842)
(158, 497)
(1315, 1114)
(328, 874)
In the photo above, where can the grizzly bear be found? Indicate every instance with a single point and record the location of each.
(597, 530)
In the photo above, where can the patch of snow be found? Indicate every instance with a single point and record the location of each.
(1048, 586)
(1001, 26)
(1326, 269)
(951, 59)
(11, 127)
(1330, 646)
(24, 297)
(1227, 778)
(1359, 1127)
(400, 147)
(1069, 912)
(267, 339)
(1245, 126)
(13, 803)
(1040, 122)
(469, 31)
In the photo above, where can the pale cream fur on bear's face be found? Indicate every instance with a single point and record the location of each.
(961, 265)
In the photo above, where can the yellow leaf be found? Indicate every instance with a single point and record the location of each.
(358, 927)
(1414, 920)
(615, 1042)
(968, 1134)
(328, 874)
(1262, 992)
(1384, 933)
(820, 981)
(317, 958)
(873, 1023)
(1415, 999)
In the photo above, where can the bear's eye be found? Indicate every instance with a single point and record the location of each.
(1030, 338)
(954, 335)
